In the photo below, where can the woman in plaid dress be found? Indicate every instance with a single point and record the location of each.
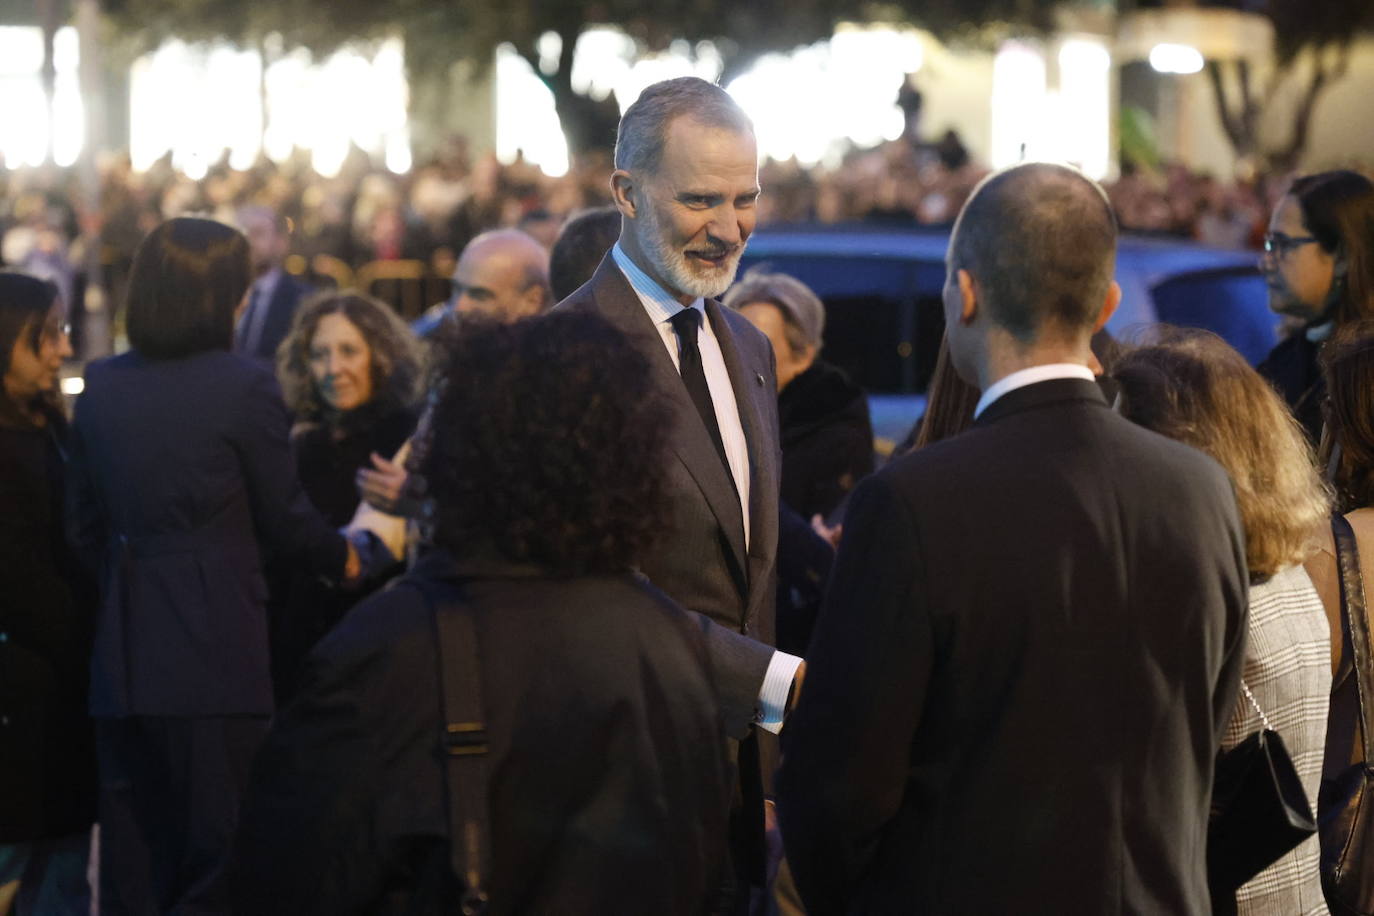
(1193, 387)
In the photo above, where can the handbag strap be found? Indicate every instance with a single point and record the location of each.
(1355, 626)
(464, 742)
(1264, 720)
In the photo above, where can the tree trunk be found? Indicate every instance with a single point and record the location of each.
(48, 19)
(588, 125)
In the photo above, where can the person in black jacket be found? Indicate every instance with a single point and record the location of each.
(1034, 633)
(180, 479)
(827, 436)
(607, 780)
(1319, 264)
(350, 372)
(47, 751)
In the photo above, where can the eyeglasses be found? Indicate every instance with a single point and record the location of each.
(1280, 244)
(57, 331)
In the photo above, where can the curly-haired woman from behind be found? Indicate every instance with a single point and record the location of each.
(350, 371)
(1193, 387)
(606, 786)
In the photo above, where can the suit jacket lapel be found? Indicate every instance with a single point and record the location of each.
(749, 386)
(689, 440)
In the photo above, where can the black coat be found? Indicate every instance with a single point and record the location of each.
(328, 456)
(827, 439)
(1029, 652)
(608, 784)
(1292, 368)
(47, 755)
(180, 469)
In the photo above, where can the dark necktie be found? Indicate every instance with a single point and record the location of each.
(686, 323)
(249, 331)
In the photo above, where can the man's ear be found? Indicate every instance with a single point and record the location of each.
(1108, 306)
(968, 297)
(625, 193)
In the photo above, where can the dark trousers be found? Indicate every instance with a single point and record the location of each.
(169, 795)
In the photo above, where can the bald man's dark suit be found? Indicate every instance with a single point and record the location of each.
(1030, 648)
(701, 561)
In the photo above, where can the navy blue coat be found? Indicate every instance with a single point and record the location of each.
(180, 469)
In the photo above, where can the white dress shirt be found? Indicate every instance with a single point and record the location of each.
(661, 306)
(1029, 377)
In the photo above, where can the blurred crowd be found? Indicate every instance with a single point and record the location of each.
(315, 610)
(367, 213)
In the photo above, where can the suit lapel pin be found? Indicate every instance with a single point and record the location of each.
(760, 379)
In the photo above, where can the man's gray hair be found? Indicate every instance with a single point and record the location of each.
(639, 141)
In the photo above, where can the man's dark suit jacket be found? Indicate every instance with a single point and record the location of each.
(1030, 647)
(276, 324)
(608, 780)
(701, 561)
(179, 469)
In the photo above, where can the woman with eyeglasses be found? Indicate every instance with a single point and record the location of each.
(47, 751)
(1319, 264)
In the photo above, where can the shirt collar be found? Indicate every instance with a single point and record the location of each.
(1320, 332)
(658, 302)
(1030, 376)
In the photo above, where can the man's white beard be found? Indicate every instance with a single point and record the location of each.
(674, 267)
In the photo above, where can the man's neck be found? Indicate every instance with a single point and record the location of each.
(1006, 355)
(630, 246)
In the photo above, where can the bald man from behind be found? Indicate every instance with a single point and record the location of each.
(1033, 636)
(501, 275)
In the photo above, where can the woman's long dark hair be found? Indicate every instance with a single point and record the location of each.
(1348, 365)
(1338, 209)
(24, 305)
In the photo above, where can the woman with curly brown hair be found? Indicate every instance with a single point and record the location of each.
(1193, 387)
(607, 786)
(350, 371)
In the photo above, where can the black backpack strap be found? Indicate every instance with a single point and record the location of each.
(463, 741)
(1355, 656)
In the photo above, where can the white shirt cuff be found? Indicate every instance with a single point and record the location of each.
(777, 683)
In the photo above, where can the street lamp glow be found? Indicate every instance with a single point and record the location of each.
(1171, 58)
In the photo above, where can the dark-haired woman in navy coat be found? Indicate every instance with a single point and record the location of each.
(181, 476)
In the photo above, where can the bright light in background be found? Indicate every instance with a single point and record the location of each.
(1018, 102)
(69, 115)
(1171, 58)
(526, 121)
(24, 114)
(810, 103)
(200, 100)
(815, 101)
(73, 385)
(1069, 123)
(1083, 133)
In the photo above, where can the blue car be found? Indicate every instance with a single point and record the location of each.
(881, 287)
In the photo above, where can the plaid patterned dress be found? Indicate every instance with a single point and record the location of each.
(1288, 669)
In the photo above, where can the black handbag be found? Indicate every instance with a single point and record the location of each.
(1346, 802)
(1259, 812)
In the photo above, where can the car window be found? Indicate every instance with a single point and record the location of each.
(883, 317)
(1231, 302)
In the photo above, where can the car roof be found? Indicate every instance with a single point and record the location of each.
(1143, 261)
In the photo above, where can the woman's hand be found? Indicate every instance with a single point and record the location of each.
(382, 488)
